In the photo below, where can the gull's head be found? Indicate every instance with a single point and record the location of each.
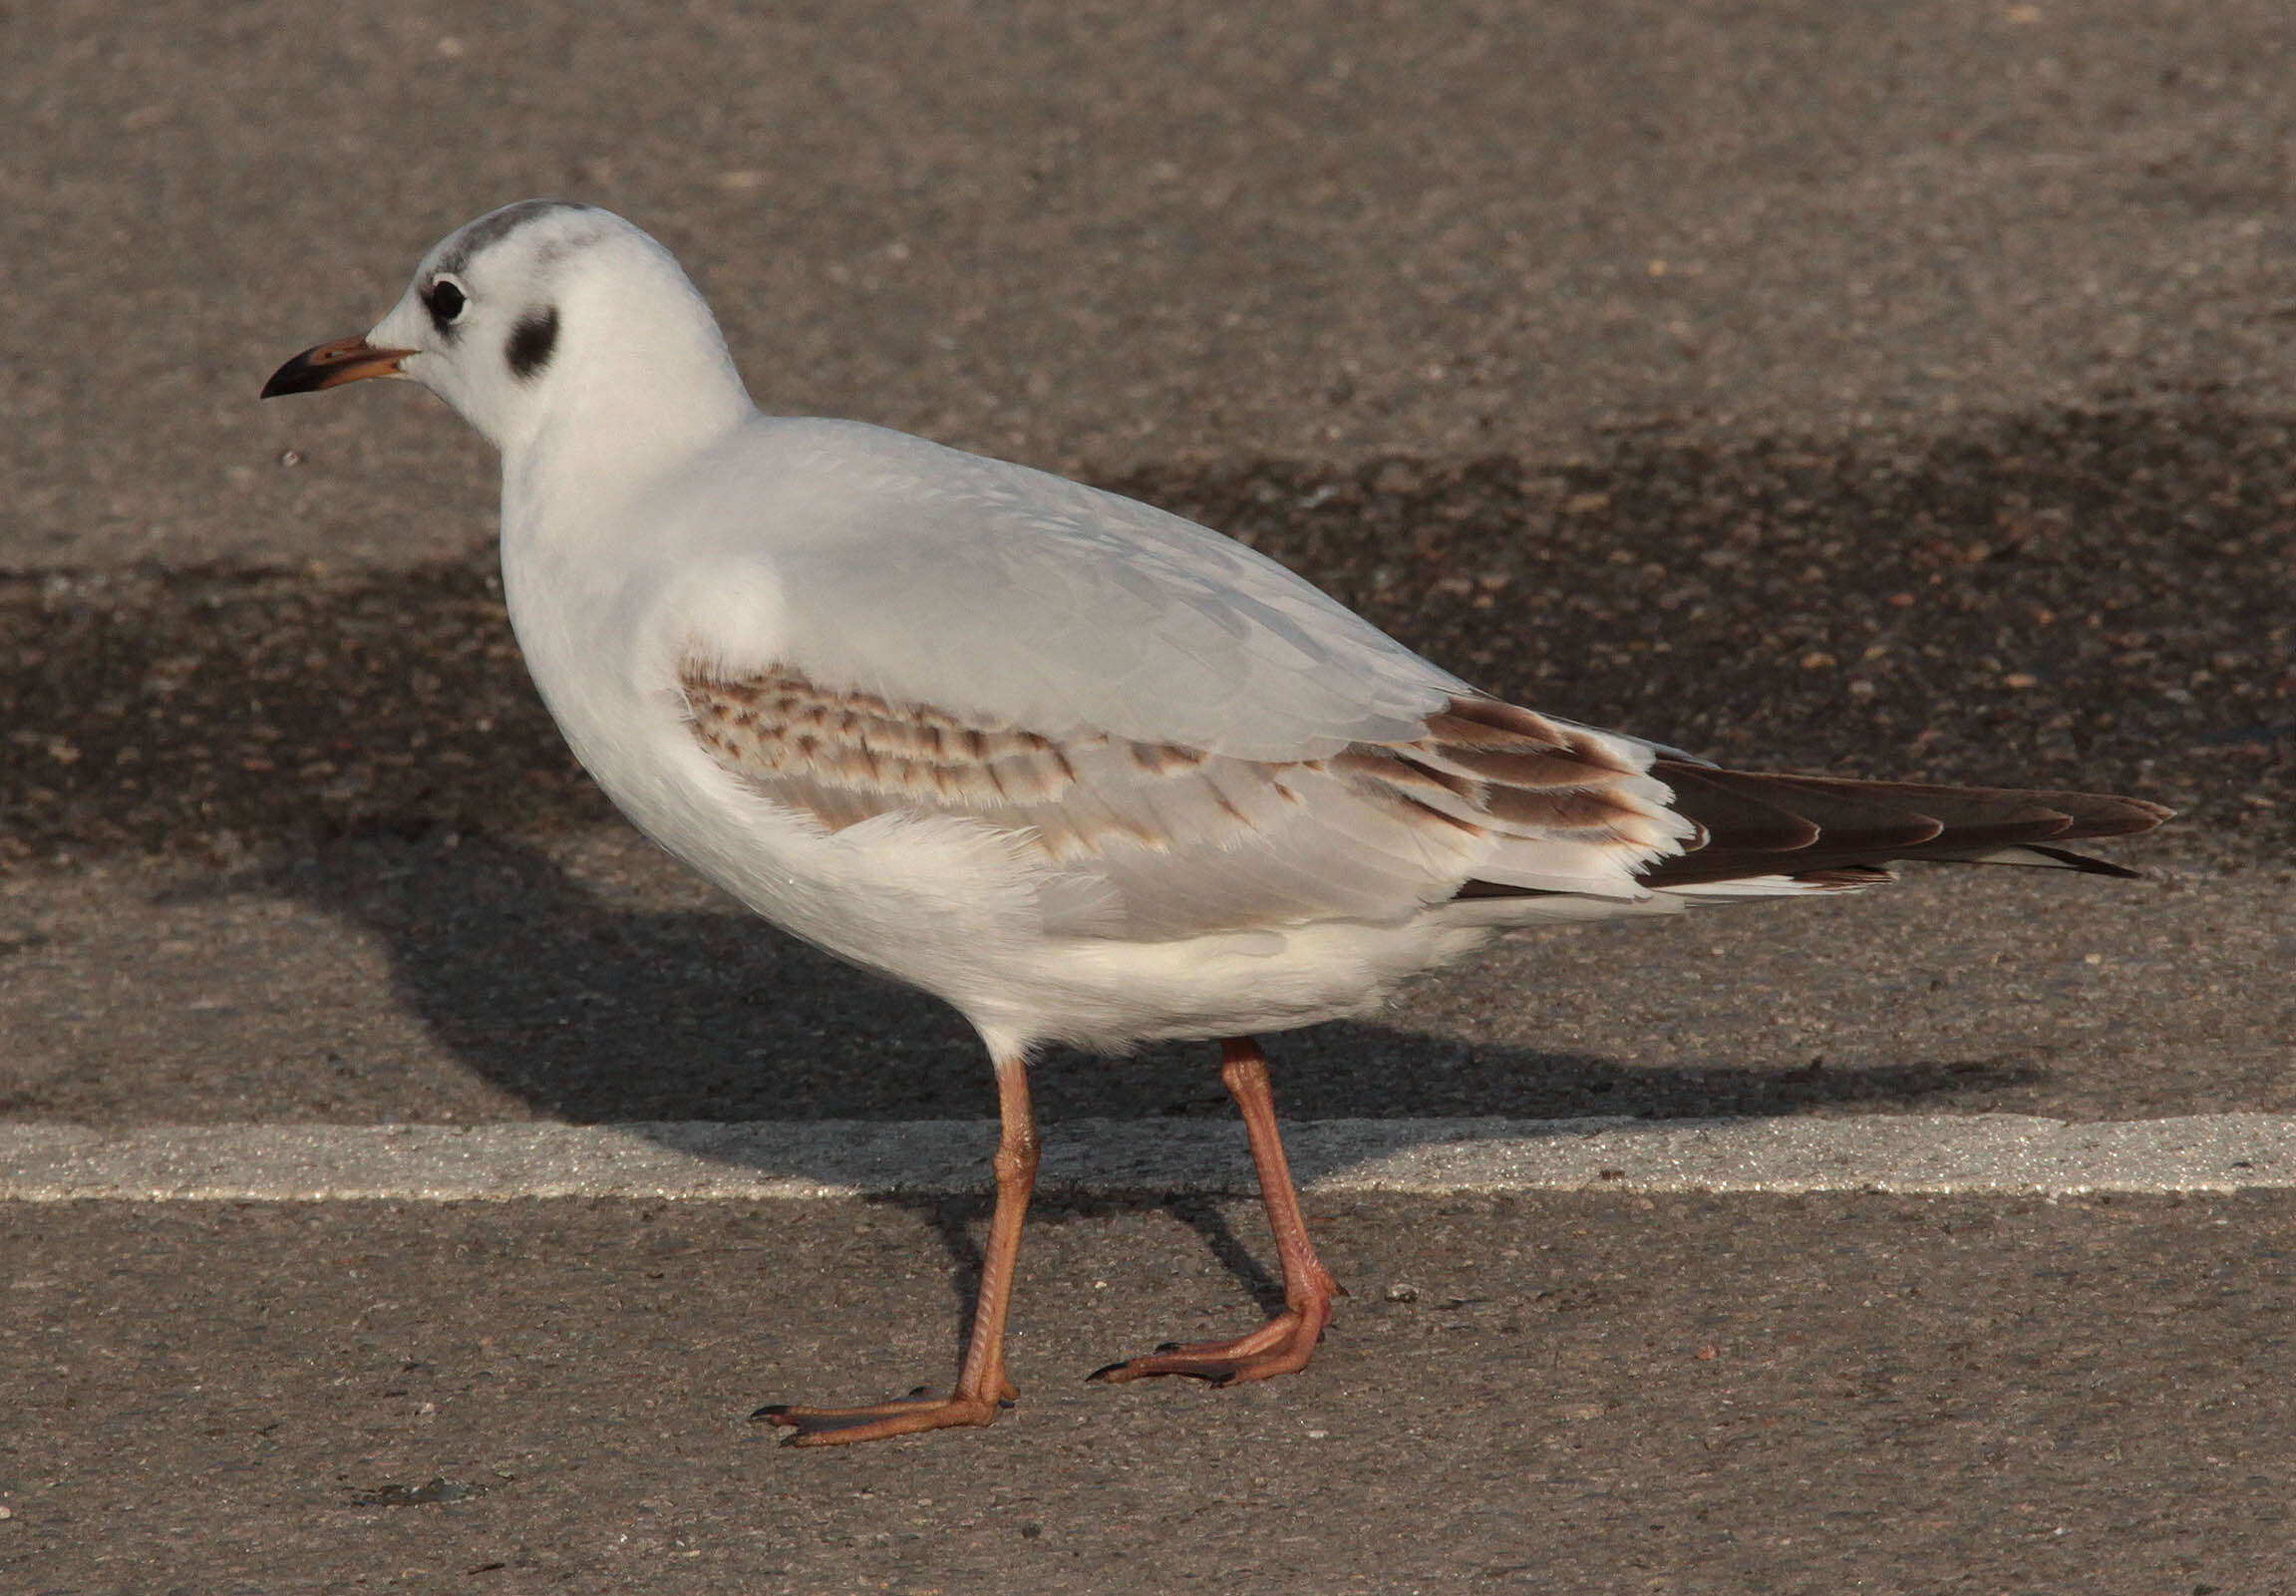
(545, 311)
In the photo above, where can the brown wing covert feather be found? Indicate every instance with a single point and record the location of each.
(1378, 829)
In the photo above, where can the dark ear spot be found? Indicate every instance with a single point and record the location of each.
(532, 342)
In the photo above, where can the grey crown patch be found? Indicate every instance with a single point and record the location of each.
(473, 239)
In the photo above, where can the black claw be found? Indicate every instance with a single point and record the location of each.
(921, 1391)
(771, 1410)
(1102, 1372)
(1167, 1345)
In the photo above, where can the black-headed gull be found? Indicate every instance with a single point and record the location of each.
(1091, 773)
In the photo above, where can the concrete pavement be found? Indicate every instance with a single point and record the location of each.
(1907, 1155)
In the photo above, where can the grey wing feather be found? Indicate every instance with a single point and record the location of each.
(923, 574)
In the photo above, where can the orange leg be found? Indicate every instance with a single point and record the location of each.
(1286, 1342)
(982, 1387)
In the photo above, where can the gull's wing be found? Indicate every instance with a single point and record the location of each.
(1150, 840)
(1189, 736)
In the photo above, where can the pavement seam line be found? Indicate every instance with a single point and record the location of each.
(2004, 1154)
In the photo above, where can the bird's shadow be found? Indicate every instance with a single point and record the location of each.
(594, 1012)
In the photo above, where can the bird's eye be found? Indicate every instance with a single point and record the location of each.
(445, 300)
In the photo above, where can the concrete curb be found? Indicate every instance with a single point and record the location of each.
(1987, 1154)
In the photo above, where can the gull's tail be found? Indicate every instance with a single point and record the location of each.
(1820, 832)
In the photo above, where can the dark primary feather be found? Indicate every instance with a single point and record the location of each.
(1805, 826)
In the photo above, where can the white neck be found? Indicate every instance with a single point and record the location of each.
(621, 414)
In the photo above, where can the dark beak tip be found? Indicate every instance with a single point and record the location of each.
(305, 374)
(330, 365)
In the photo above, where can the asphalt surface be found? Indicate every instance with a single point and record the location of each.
(597, 981)
(1112, 238)
(1899, 390)
(2095, 598)
(1571, 1395)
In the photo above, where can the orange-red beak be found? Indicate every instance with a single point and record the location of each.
(346, 360)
